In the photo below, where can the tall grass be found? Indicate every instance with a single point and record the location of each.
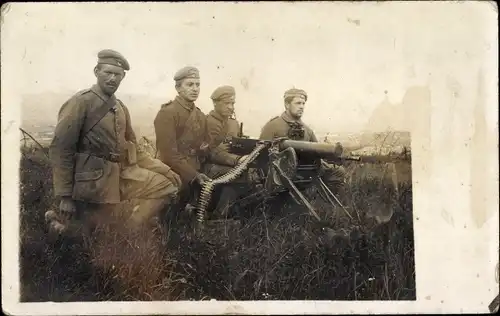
(277, 253)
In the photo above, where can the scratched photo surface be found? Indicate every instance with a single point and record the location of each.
(322, 152)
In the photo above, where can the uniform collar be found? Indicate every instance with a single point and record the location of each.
(188, 105)
(287, 118)
(97, 90)
(217, 116)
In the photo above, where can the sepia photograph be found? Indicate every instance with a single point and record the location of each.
(250, 152)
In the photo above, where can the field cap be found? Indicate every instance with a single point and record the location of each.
(111, 57)
(223, 93)
(187, 72)
(295, 93)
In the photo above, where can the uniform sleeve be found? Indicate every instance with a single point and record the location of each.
(217, 153)
(267, 132)
(129, 131)
(219, 156)
(166, 143)
(214, 130)
(63, 147)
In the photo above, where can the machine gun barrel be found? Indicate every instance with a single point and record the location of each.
(311, 148)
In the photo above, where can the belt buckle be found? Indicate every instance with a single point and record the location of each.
(114, 157)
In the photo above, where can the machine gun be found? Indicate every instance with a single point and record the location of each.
(283, 166)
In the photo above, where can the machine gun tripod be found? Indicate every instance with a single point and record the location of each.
(283, 166)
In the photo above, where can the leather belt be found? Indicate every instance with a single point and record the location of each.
(112, 157)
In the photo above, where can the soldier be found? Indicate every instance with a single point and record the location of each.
(220, 125)
(94, 152)
(289, 124)
(181, 133)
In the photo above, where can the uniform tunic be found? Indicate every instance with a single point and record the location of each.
(81, 166)
(218, 130)
(280, 126)
(233, 128)
(181, 129)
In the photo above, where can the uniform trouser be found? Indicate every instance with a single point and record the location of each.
(144, 195)
(153, 191)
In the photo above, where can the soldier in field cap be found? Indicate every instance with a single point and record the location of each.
(95, 158)
(289, 124)
(218, 126)
(111, 57)
(182, 139)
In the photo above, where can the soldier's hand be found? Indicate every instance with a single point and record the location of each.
(67, 207)
(204, 148)
(174, 178)
(224, 146)
(202, 178)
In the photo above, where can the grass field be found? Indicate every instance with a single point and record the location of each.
(275, 255)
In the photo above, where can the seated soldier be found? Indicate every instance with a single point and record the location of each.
(94, 154)
(219, 126)
(289, 124)
(182, 138)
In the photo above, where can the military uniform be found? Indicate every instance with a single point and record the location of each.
(181, 133)
(283, 126)
(218, 130)
(280, 126)
(103, 166)
(233, 127)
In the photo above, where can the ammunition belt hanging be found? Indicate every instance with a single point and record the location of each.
(231, 175)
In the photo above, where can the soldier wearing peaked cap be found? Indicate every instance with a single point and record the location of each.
(218, 126)
(111, 57)
(289, 124)
(94, 153)
(181, 133)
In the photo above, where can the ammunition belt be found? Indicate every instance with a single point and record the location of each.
(231, 175)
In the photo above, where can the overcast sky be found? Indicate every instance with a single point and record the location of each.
(345, 55)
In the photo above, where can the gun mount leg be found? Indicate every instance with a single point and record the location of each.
(294, 191)
(326, 192)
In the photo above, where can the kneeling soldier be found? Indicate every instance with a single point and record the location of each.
(94, 153)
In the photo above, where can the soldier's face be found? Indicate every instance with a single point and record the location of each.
(225, 107)
(189, 89)
(109, 77)
(296, 107)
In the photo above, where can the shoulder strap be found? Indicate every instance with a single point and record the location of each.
(96, 116)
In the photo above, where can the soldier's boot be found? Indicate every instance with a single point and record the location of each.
(227, 196)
